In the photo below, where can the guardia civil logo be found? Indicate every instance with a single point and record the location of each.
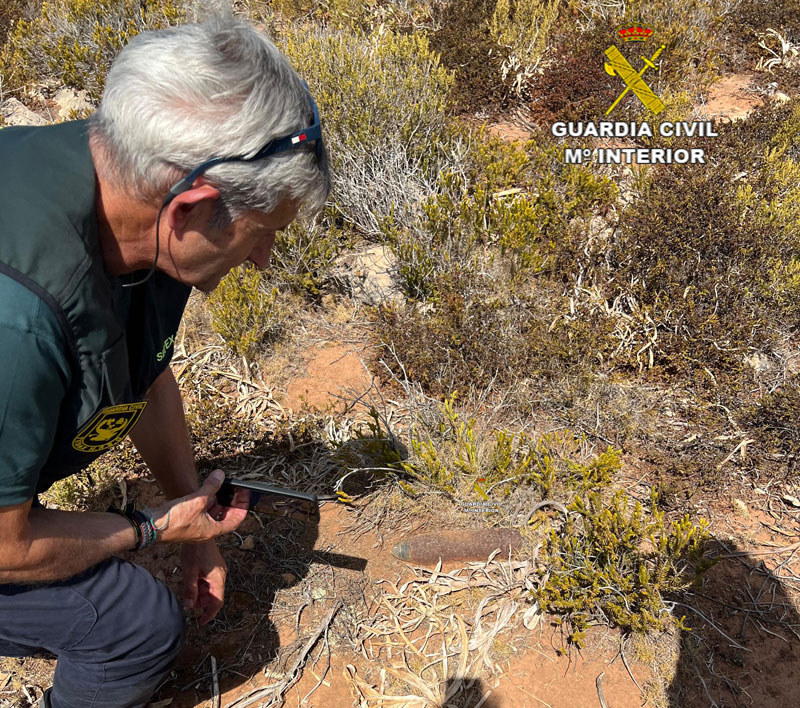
(617, 65)
(634, 82)
(108, 427)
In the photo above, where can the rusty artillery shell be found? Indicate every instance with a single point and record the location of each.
(457, 545)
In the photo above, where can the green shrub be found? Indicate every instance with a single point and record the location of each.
(75, 41)
(94, 488)
(217, 432)
(305, 254)
(455, 457)
(704, 265)
(516, 206)
(89, 490)
(522, 29)
(245, 312)
(11, 11)
(475, 333)
(614, 563)
(382, 99)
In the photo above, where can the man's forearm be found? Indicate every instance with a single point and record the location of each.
(60, 544)
(162, 439)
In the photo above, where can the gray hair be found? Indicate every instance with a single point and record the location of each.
(177, 97)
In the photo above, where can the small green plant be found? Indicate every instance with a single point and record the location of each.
(305, 255)
(516, 206)
(614, 562)
(217, 431)
(75, 41)
(245, 312)
(456, 455)
(93, 488)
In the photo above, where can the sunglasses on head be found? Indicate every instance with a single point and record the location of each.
(311, 134)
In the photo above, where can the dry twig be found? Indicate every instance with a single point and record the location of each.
(274, 693)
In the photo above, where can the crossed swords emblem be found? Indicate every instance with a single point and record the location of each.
(618, 65)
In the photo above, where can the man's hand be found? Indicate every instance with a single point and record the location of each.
(198, 517)
(204, 574)
(195, 520)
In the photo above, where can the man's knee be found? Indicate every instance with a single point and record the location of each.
(164, 623)
(157, 623)
(137, 616)
(137, 634)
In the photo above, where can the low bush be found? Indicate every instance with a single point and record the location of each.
(775, 419)
(514, 207)
(575, 86)
(93, 489)
(399, 16)
(704, 273)
(615, 562)
(217, 432)
(467, 48)
(13, 10)
(695, 35)
(493, 256)
(522, 29)
(75, 41)
(750, 20)
(383, 101)
(246, 312)
(305, 254)
(477, 334)
(455, 456)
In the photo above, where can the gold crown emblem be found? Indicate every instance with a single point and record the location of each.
(634, 33)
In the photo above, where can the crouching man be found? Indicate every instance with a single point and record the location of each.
(205, 145)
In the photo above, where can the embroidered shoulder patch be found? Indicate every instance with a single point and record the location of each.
(108, 427)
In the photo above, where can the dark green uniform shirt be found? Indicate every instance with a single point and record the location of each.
(34, 378)
(38, 378)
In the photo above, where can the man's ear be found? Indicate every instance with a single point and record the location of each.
(199, 201)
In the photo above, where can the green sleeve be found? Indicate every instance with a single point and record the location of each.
(34, 377)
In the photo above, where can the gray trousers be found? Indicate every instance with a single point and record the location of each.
(114, 629)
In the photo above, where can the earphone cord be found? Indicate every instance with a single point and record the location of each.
(155, 259)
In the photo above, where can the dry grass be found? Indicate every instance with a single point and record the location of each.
(426, 639)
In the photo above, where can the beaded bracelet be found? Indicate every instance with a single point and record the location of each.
(143, 526)
(147, 527)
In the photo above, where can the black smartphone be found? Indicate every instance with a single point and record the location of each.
(277, 501)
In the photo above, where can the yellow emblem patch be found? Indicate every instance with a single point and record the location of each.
(109, 426)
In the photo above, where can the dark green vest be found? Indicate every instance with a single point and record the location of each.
(119, 340)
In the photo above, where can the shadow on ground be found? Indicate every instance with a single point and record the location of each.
(468, 693)
(266, 555)
(749, 599)
(243, 639)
